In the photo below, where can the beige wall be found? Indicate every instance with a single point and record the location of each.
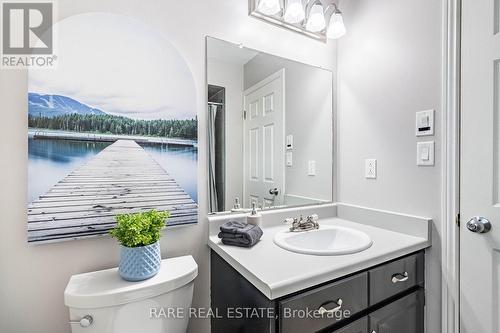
(32, 278)
(389, 67)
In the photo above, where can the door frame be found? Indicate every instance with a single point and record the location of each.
(450, 169)
(276, 75)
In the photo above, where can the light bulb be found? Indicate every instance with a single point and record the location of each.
(269, 7)
(316, 21)
(294, 11)
(336, 28)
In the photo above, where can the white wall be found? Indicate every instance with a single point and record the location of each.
(32, 278)
(308, 117)
(389, 67)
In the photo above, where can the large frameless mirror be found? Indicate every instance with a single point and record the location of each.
(270, 128)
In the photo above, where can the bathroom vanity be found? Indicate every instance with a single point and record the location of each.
(269, 289)
(386, 298)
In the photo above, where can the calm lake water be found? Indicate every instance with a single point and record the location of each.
(52, 160)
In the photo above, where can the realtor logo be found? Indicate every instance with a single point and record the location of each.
(27, 34)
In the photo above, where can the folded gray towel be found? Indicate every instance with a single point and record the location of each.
(240, 234)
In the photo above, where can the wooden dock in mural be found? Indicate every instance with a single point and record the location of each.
(122, 178)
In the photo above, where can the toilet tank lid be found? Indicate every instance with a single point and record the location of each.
(106, 288)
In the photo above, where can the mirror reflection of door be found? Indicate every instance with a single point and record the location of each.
(264, 142)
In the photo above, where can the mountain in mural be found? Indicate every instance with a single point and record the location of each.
(56, 105)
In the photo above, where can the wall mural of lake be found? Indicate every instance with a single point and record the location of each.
(112, 130)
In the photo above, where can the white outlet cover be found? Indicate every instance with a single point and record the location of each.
(370, 168)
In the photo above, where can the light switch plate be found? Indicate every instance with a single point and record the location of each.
(424, 123)
(311, 168)
(289, 159)
(289, 142)
(370, 168)
(425, 153)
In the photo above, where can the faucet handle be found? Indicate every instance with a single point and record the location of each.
(313, 217)
(237, 203)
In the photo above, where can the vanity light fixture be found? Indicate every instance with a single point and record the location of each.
(269, 7)
(336, 28)
(319, 19)
(316, 19)
(294, 12)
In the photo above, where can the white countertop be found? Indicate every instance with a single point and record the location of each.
(277, 272)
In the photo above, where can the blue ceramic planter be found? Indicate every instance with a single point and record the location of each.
(140, 263)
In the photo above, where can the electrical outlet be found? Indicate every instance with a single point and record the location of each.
(370, 168)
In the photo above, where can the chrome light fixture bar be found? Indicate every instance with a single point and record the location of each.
(318, 19)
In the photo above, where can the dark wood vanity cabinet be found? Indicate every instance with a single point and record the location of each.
(403, 315)
(388, 298)
(358, 326)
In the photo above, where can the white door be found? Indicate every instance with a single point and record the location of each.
(264, 142)
(480, 167)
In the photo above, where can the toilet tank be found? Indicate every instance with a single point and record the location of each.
(102, 302)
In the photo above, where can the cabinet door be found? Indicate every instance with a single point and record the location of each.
(404, 315)
(359, 326)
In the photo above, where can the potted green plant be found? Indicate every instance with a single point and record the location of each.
(139, 235)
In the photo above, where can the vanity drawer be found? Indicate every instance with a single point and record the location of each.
(342, 298)
(395, 277)
(359, 326)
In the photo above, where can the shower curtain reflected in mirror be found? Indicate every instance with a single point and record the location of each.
(212, 186)
(216, 110)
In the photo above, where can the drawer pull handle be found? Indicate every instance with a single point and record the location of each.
(398, 277)
(338, 305)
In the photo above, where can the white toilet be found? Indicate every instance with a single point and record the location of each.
(102, 302)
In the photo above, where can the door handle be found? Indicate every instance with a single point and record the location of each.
(479, 225)
(274, 191)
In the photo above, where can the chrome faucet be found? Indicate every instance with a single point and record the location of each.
(299, 224)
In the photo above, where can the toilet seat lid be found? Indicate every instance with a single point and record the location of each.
(106, 288)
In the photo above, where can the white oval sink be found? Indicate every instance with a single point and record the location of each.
(325, 241)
